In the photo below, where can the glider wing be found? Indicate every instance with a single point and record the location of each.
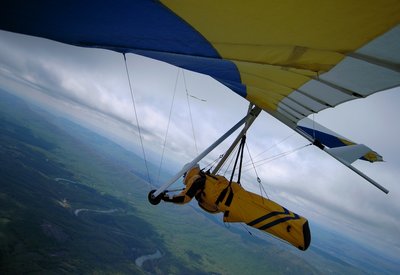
(290, 58)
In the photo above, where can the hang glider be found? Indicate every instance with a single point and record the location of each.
(289, 58)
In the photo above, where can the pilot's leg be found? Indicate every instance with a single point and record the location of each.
(266, 215)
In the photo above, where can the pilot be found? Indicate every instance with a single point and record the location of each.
(216, 194)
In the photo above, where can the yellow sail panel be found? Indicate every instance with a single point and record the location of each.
(269, 92)
(267, 102)
(292, 78)
(288, 56)
(270, 84)
(311, 36)
(332, 26)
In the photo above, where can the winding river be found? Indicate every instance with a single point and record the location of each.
(77, 211)
(62, 179)
(139, 261)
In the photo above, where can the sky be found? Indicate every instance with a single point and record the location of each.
(181, 113)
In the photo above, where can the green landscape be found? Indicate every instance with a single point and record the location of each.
(75, 202)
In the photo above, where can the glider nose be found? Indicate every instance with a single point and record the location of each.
(306, 236)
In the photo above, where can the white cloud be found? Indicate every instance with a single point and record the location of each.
(92, 85)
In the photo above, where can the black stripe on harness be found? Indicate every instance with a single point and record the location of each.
(229, 199)
(196, 186)
(269, 215)
(278, 221)
(221, 196)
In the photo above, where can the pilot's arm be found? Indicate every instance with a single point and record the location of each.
(194, 186)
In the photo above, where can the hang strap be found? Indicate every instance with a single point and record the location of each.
(229, 187)
(239, 154)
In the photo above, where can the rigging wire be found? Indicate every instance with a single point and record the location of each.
(190, 111)
(272, 158)
(271, 147)
(211, 164)
(275, 157)
(200, 99)
(258, 178)
(231, 156)
(245, 228)
(168, 124)
(137, 120)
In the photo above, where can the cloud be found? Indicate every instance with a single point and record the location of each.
(91, 86)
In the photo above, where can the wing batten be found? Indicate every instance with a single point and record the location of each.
(298, 106)
(385, 48)
(290, 110)
(378, 62)
(313, 103)
(326, 94)
(286, 115)
(361, 77)
(325, 80)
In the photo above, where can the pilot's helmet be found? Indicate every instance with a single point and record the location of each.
(191, 172)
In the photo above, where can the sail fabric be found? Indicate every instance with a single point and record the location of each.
(300, 57)
(332, 139)
(291, 58)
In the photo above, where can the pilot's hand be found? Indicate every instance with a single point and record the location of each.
(164, 196)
